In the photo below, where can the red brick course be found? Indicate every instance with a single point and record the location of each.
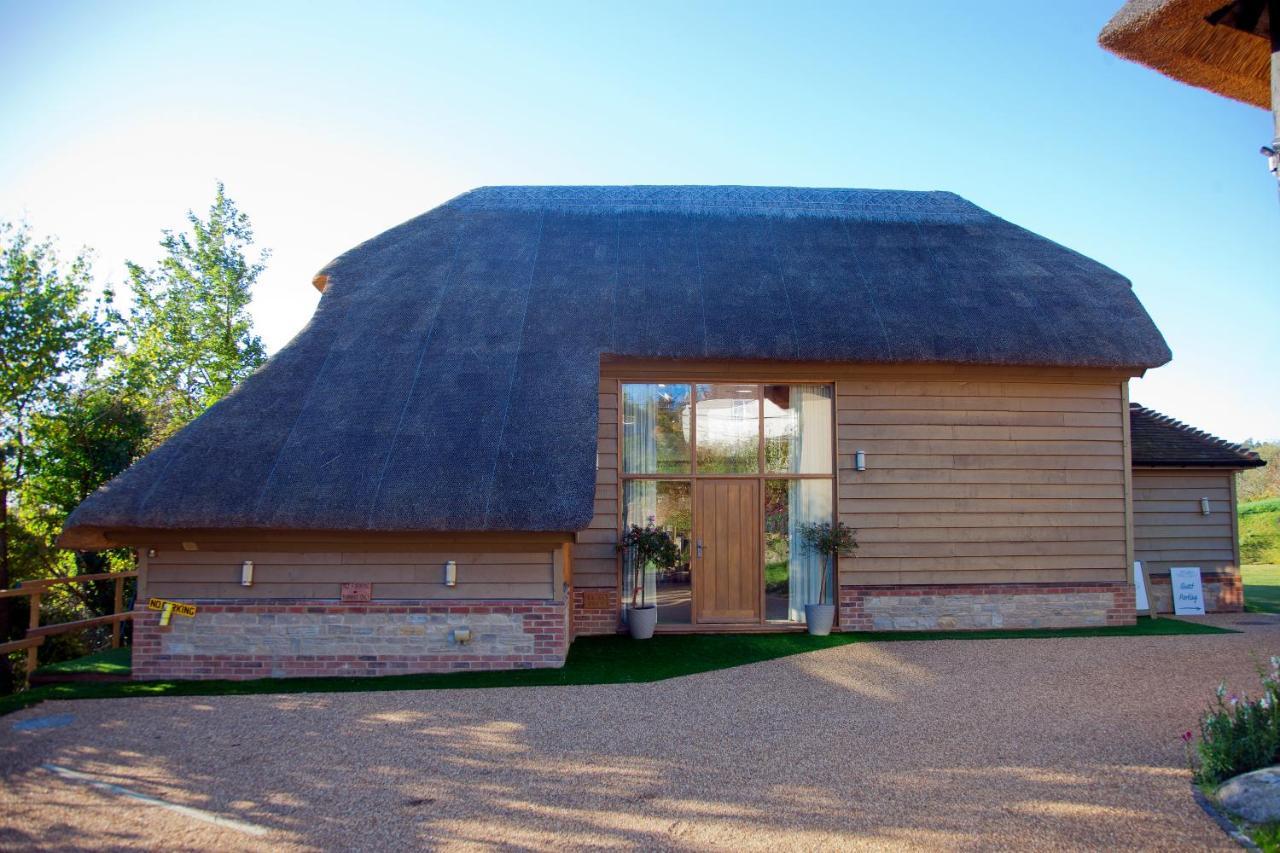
(853, 615)
(1223, 592)
(596, 621)
(545, 622)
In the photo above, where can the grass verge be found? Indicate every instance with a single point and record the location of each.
(109, 662)
(1261, 588)
(1265, 835)
(592, 660)
(1260, 532)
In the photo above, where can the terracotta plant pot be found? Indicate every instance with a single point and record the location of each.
(641, 621)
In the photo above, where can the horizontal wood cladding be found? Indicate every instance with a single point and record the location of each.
(320, 574)
(595, 557)
(1170, 528)
(991, 476)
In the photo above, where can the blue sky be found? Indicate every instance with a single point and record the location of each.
(331, 122)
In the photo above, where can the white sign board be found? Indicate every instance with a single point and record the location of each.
(1140, 589)
(1188, 591)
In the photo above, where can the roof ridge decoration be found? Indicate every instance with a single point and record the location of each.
(730, 200)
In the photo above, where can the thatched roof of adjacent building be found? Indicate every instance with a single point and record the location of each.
(448, 379)
(1214, 44)
(1161, 441)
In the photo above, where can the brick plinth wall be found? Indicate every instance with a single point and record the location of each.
(278, 638)
(978, 606)
(596, 620)
(1223, 593)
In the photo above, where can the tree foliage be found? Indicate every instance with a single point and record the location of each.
(87, 391)
(51, 335)
(190, 333)
(1258, 483)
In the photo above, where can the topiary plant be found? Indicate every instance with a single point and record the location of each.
(831, 541)
(648, 544)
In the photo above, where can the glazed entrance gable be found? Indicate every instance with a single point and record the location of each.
(976, 478)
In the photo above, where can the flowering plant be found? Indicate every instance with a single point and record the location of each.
(1239, 734)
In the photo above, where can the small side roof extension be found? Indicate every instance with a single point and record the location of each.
(1161, 441)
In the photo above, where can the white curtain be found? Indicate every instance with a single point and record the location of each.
(640, 429)
(808, 500)
(639, 456)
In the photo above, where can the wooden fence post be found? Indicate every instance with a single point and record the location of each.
(33, 657)
(116, 607)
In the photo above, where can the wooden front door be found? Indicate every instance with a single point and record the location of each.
(726, 560)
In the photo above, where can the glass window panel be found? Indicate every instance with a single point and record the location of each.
(797, 429)
(667, 504)
(728, 429)
(794, 573)
(655, 428)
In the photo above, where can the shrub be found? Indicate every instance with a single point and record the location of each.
(649, 546)
(1240, 734)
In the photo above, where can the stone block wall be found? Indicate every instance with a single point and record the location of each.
(979, 606)
(1223, 593)
(288, 638)
(595, 612)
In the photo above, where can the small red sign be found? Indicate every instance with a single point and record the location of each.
(353, 593)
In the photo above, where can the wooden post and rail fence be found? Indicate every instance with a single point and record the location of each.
(35, 590)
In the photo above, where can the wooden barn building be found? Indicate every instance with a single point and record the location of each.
(433, 474)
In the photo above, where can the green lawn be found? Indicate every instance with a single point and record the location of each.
(109, 662)
(592, 660)
(1260, 532)
(1266, 836)
(1261, 588)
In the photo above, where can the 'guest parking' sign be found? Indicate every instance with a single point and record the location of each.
(1188, 592)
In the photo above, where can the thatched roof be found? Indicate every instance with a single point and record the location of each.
(1161, 441)
(448, 380)
(1177, 38)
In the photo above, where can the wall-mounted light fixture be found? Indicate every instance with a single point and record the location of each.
(462, 636)
(246, 573)
(1204, 506)
(860, 460)
(151, 552)
(190, 546)
(451, 573)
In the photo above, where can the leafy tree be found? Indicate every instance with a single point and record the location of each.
(190, 333)
(1256, 484)
(49, 334)
(94, 434)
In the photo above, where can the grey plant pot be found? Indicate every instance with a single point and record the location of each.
(819, 618)
(641, 621)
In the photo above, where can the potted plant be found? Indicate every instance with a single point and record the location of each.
(648, 545)
(830, 541)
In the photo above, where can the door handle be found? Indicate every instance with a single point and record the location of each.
(699, 549)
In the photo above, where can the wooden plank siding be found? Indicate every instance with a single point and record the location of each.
(595, 558)
(984, 478)
(319, 574)
(1169, 527)
(974, 474)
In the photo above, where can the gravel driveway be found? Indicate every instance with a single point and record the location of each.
(1005, 743)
